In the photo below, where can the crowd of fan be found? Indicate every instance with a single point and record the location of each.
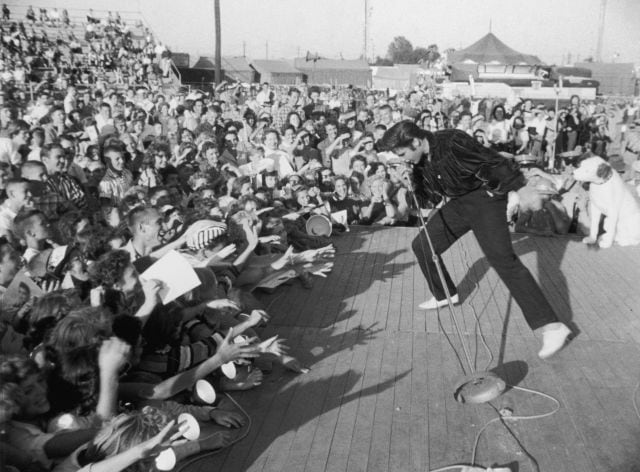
(100, 180)
(49, 50)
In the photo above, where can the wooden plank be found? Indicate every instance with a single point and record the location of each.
(360, 444)
(419, 411)
(382, 420)
(345, 426)
(382, 398)
(400, 445)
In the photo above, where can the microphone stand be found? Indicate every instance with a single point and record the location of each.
(475, 387)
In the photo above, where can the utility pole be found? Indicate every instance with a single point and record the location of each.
(216, 9)
(367, 29)
(266, 47)
(244, 49)
(603, 10)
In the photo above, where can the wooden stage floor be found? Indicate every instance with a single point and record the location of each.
(379, 396)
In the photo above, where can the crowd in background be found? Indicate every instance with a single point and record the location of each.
(103, 172)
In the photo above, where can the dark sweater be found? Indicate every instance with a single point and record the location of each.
(457, 164)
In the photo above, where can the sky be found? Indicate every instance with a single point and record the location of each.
(550, 29)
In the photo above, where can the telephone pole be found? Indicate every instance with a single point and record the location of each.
(266, 47)
(216, 9)
(603, 10)
(367, 11)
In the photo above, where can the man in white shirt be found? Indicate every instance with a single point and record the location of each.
(539, 122)
(18, 197)
(18, 132)
(55, 129)
(103, 118)
(265, 96)
(41, 108)
(70, 99)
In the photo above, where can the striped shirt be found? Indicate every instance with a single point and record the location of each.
(68, 188)
(115, 186)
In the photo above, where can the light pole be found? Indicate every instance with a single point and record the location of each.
(216, 11)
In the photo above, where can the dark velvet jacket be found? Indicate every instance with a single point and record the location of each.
(457, 164)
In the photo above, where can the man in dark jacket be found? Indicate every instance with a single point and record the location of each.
(475, 181)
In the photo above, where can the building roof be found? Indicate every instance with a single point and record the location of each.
(239, 64)
(397, 72)
(490, 49)
(274, 67)
(205, 62)
(619, 68)
(331, 64)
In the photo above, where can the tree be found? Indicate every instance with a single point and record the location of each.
(382, 61)
(400, 51)
(420, 55)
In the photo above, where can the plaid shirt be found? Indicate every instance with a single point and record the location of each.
(52, 205)
(68, 188)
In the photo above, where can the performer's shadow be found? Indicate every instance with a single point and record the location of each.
(549, 275)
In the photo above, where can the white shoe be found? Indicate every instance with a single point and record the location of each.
(554, 337)
(432, 303)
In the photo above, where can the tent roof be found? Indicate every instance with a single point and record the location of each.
(490, 49)
(331, 64)
(275, 67)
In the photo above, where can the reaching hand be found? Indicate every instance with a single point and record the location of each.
(291, 216)
(152, 446)
(223, 303)
(228, 419)
(225, 252)
(269, 239)
(314, 255)
(251, 233)
(151, 289)
(274, 346)
(257, 317)
(113, 355)
(97, 296)
(228, 352)
(263, 210)
(320, 270)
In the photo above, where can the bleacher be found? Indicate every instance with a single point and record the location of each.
(134, 21)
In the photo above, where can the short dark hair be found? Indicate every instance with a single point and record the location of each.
(47, 148)
(137, 215)
(402, 135)
(114, 146)
(22, 220)
(110, 267)
(16, 126)
(31, 164)
(357, 157)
